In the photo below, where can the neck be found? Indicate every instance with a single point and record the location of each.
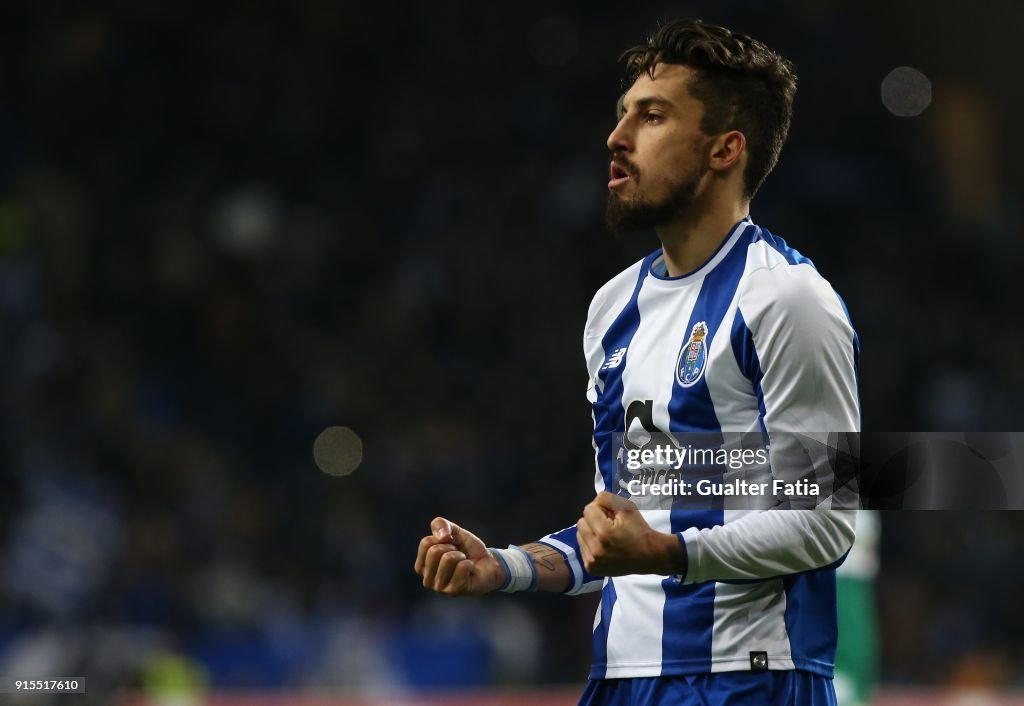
(688, 242)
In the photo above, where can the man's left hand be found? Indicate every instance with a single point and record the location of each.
(616, 540)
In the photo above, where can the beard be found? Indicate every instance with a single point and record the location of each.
(625, 214)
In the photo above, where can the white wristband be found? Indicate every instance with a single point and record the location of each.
(520, 571)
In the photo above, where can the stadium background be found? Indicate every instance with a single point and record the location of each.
(226, 226)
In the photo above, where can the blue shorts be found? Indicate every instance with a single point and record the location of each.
(771, 688)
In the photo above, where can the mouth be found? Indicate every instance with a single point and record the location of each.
(617, 175)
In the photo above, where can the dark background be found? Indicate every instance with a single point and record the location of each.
(227, 226)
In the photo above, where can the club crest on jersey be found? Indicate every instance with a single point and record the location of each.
(693, 357)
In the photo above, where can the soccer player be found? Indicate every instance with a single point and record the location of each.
(724, 328)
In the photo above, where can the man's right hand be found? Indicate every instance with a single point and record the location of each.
(454, 561)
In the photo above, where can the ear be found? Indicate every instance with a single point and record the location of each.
(727, 150)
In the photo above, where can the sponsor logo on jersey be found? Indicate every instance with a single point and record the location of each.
(693, 357)
(615, 359)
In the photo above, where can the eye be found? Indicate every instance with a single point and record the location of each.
(653, 118)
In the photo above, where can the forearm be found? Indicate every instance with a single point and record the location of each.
(768, 544)
(565, 543)
(647, 552)
(553, 572)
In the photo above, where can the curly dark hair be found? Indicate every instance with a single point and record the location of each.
(743, 84)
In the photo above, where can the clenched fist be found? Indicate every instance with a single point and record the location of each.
(616, 540)
(455, 562)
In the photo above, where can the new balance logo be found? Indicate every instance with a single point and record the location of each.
(615, 359)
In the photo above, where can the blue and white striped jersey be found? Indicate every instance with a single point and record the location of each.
(779, 354)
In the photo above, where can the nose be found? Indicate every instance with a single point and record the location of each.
(620, 139)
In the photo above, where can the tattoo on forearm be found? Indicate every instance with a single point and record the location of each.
(544, 556)
(553, 572)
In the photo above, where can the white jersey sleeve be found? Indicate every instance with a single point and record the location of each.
(806, 350)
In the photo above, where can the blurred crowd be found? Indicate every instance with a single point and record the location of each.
(227, 226)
